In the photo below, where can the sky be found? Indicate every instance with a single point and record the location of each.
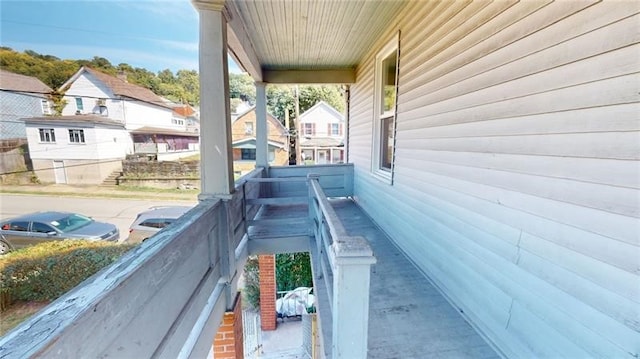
(151, 34)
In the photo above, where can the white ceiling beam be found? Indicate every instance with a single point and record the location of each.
(240, 45)
(332, 76)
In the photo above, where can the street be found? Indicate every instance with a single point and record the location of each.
(120, 212)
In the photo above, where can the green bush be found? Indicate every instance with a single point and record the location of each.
(252, 283)
(293, 270)
(48, 270)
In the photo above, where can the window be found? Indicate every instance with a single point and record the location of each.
(386, 93)
(47, 135)
(157, 222)
(41, 227)
(334, 129)
(46, 109)
(79, 105)
(309, 129)
(18, 226)
(248, 154)
(176, 121)
(272, 155)
(76, 136)
(248, 128)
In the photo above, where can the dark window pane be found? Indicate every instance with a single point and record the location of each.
(19, 226)
(41, 228)
(249, 154)
(386, 143)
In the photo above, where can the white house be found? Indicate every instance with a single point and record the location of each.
(77, 149)
(21, 96)
(322, 134)
(150, 118)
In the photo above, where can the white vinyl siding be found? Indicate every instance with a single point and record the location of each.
(516, 173)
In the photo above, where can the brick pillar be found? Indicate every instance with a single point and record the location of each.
(267, 268)
(229, 339)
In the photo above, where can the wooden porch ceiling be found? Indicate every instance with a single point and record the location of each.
(304, 41)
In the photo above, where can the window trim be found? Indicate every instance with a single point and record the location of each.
(81, 136)
(378, 116)
(50, 131)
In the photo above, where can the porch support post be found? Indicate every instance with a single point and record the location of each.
(352, 272)
(262, 132)
(216, 159)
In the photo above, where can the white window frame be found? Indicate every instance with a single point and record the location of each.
(385, 174)
(307, 129)
(80, 136)
(43, 132)
(79, 104)
(248, 128)
(336, 128)
(46, 107)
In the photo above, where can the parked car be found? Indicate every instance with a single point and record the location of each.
(35, 228)
(295, 302)
(152, 221)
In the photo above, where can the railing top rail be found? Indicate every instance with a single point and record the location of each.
(350, 248)
(277, 179)
(335, 226)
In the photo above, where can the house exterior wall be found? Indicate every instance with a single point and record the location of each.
(133, 113)
(515, 186)
(14, 106)
(87, 163)
(276, 133)
(322, 117)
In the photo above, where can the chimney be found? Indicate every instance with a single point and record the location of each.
(122, 76)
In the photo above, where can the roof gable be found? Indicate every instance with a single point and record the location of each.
(22, 83)
(120, 87)
(270, 118)
(323, 106)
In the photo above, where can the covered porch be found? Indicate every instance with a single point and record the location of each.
(168, 297)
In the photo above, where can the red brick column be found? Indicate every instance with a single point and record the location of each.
(267, 268)
(229, 339)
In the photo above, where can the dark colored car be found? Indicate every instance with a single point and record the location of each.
(152, 221)
(35, 228)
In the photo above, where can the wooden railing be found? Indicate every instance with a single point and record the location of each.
(344, 263)
(164, 298)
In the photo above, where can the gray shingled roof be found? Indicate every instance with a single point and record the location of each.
(76, 120)
(21, 83)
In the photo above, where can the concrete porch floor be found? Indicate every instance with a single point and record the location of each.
(408, 317)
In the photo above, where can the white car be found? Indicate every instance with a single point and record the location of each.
(295, 302)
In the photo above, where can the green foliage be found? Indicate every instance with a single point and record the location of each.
(48, 270)
(54, 72)
(252, 282)
(293, 270)
(242, 86)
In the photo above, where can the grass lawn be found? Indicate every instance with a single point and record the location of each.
(17, 313)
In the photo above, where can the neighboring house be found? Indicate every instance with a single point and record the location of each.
(243, 132)
(322, 134)
(77, 149)
(188, 115)
(140, 110)
(21, 96)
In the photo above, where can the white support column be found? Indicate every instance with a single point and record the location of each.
(216, 156)
(262, 130)
(350, 310)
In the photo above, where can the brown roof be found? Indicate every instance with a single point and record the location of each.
(125, 89)
(22, 83)
(76, 120)
(184, 110)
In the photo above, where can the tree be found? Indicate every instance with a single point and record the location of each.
(243, 87)
(293, 270)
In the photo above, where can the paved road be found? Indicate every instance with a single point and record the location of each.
(120, 212)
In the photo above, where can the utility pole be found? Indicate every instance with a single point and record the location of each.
(297, 124)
